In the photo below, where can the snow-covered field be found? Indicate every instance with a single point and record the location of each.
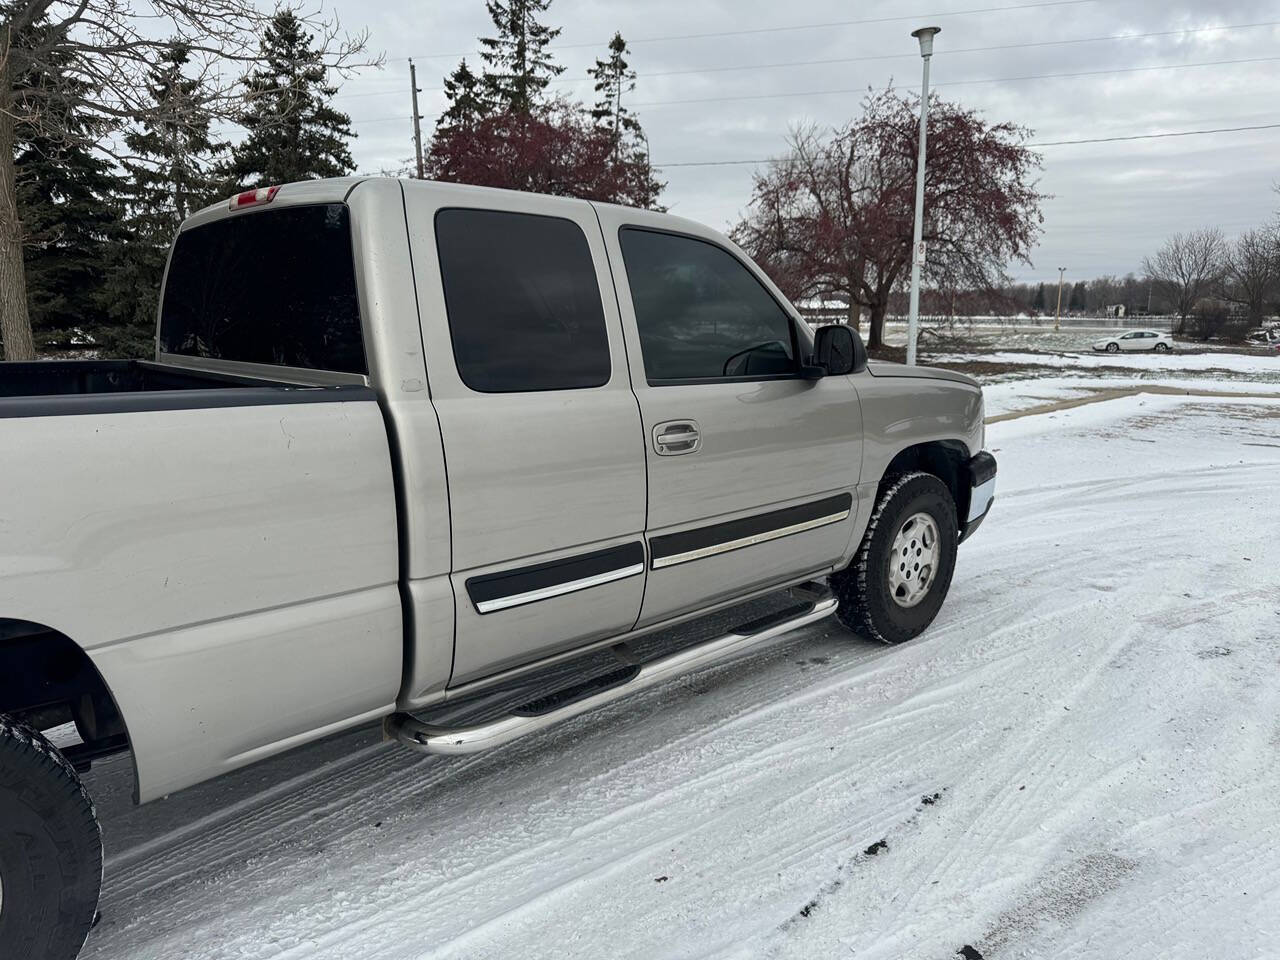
(1010, 397)
(1081, 758)
(1024, 335)
(1174, 362)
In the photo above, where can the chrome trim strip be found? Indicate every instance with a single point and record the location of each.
(673, 559)
(260, 371)
(463, 740)
(980, 499)
(559, 589)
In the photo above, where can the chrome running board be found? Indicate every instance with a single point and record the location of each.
(631, 677)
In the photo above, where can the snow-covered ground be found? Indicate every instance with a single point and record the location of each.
(1023, 335)
(1081, 758)
(1241, 363)
(1014, 396)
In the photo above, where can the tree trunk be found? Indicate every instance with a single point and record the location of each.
(853, 315)
(15, 323)
(875, 331)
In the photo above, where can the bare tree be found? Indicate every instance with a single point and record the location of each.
(833, 218)
(103, 49)
(1187, 268)
(1252, 271)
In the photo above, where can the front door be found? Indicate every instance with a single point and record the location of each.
(542, 437)
(1135, 341)
(752, 469)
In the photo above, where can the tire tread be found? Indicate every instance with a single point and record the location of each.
(853, 586)
(27, 750)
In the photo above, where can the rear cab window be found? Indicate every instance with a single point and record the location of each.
(523, 302)
(274, 287)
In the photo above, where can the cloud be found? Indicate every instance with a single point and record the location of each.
(1112, 202)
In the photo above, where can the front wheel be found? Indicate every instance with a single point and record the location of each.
(1113, 348)
(900, 575)
(50, 849)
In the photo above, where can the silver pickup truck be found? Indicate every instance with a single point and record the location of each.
(465, 462)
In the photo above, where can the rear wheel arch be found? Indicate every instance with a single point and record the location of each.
(47, 679)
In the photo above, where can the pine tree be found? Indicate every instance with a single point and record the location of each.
(293, 134)
(172, 173)
(64, 197)
(1037, 304)
(465, 93)
(518, 65)
(1078, 292)
(613, 78)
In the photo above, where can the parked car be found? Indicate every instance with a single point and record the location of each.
(450, 458)
(1159, 340)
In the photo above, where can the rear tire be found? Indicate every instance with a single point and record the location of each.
(871, 604)
(1162, 348)
(50, 850)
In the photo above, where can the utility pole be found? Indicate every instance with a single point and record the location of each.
(1057, 317)
(417, 120)
(925, 36)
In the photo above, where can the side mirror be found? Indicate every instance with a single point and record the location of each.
(839, 349)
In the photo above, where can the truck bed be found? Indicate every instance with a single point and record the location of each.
(223, 548)
(61, 387)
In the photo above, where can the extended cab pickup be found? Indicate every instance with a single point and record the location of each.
(464, 461)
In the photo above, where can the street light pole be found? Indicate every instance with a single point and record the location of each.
(925, 35)
(1057, 317)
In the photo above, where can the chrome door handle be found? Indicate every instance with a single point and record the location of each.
(668, 439)
(675, 437)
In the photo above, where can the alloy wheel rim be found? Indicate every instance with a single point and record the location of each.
(913, 560)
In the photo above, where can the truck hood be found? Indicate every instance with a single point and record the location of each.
(879, 369)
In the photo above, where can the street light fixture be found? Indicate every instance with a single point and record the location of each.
(925, 35)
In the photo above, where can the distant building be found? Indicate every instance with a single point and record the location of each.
(1114, 310)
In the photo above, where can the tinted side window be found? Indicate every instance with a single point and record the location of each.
(523, 302)
(275, 286)
(701, 313)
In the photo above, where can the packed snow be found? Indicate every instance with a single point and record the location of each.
(1081, 758)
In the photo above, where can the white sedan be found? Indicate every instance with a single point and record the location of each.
(1136, 340)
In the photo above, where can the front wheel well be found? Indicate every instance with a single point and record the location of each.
(945, 459)
(46, 680)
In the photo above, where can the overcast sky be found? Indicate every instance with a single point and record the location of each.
(1112, 202)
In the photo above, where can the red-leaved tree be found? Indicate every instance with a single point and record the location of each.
(832, 220)
(556, 148)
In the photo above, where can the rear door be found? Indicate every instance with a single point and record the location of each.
(542, 436)
(752, 469)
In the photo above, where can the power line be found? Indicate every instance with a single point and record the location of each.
(883, 56)
(406, 118)
(800, 26)
(1042, 143)
(1156, 136)
(947, 53)
(949, 83)
(960, 83)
